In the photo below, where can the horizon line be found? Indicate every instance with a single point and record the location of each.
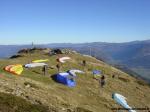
(19, 44)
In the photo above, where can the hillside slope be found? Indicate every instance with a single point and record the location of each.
(135, 56)
(37, 89)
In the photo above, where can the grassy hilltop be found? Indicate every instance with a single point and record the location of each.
(34, 92)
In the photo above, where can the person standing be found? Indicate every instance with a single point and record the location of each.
(45, 69)
(84, 62)
(58, 67)
(102, 81)
(113, 76)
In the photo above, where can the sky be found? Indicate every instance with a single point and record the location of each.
(73, 21)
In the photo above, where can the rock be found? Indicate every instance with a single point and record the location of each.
(38, 102)
(63, 109)
(81, 109)
(18, 92)
(27, 97)
(28, 86)
(69, 110)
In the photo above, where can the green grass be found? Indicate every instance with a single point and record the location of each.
(11, 103)
(31, 85)
(86, 96)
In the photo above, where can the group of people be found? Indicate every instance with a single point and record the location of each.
(102, 80)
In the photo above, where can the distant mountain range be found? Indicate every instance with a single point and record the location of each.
(134, 56)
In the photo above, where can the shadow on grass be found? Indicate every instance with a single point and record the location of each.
(54, 77)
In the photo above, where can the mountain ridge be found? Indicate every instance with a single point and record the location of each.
(135, 54)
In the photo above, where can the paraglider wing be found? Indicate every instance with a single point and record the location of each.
(96, 72)
(122, 101)
(15, 69)
(73, 72)
(8, 67)
(41, 60)
(63, 59)
(32, 65)
(63, 78)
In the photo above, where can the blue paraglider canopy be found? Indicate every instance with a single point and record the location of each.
(65, 79)
(68, 78)
(96, 72)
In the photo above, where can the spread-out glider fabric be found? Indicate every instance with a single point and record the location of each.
(40, 60)
(96, 72)
(63, 59)
(122, 101)
(64, 79)
(8, 67)
(15, 69)
(73, 72)
(32, 65)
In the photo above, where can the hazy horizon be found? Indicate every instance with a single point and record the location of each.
(72, 42)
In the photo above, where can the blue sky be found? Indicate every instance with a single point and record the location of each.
(57, 21)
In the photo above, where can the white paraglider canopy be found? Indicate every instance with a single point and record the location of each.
(74, 71)
(122, 101)
(32, 65)
(63, 59)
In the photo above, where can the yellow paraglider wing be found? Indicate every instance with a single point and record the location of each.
(16, 69)
(41, 60)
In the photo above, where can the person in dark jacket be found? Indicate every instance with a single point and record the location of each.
(84, 62)
(58, 66)
(113, 76)
(102, 81)
(44, 69)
